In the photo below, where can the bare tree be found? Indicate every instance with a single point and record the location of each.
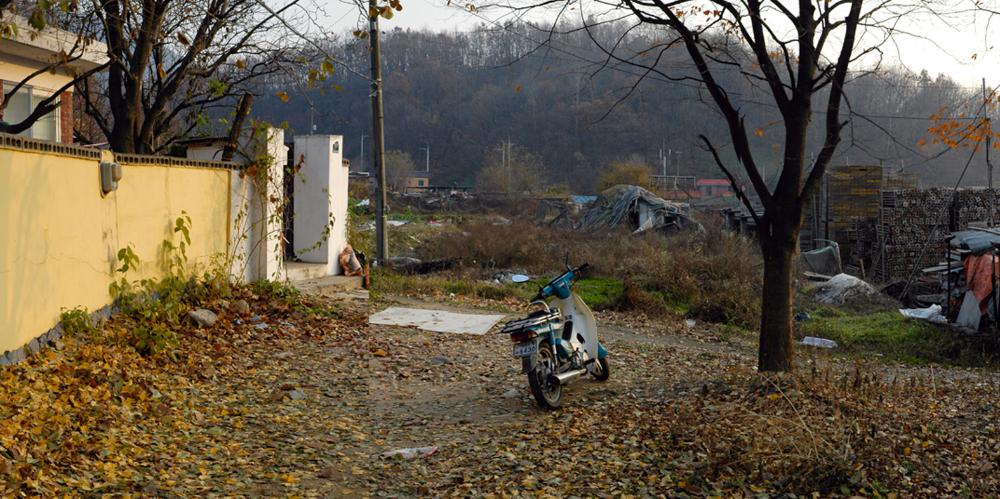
(794, 51)
(172, 61)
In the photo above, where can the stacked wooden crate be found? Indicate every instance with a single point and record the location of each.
(908, 219)
(854, 194)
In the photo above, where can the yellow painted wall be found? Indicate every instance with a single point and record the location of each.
(60, 236)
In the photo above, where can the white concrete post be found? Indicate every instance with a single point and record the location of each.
(273, 254)
(320, 200)
(255, 221)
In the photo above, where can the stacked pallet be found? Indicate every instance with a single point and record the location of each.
(854, 195)
(908, 218)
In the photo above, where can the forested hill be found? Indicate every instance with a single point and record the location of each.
(464, 93)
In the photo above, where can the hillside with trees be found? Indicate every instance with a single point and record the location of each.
(464, 94)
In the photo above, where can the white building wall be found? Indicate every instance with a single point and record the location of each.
(255, 246)
(320, 200)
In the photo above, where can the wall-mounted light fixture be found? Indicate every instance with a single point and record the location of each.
(111, 173)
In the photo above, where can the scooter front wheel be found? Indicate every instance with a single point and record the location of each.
(547, 392)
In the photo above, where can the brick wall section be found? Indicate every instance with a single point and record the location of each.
(66, 118)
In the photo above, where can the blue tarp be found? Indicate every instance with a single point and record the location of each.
(976, 241)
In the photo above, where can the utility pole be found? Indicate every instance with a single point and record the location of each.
(362, 162)
(503, 163)
(507, 156)
(677, 170)
(989, 166)
(427, 157)
(378, 137)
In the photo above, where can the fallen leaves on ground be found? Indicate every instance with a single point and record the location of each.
(308, 404)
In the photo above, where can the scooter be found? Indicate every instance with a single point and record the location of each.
(557, 343)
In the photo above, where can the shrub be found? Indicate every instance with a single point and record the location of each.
(76, 322)
(713, 276)
(276, 290)
(624, 172)
(154, 307)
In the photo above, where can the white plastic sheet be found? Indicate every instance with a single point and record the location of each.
(819, 342)
(930, 314)
(438, 321)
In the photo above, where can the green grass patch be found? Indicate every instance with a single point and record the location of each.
(408, 215)
(600, 293)
(897, 338)
(391, 283)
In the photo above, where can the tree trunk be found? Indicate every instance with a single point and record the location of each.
(775, 353)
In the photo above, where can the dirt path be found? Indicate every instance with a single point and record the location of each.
(459, 392)
(313, 417)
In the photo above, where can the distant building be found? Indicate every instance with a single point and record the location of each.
(28, 51)
(415, 182)
(714, 188)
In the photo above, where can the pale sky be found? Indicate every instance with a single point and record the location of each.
(939, 46)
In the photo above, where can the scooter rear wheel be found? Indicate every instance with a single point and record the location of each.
(548, 393)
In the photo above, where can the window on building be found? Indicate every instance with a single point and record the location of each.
(22, 103)
(421, 182)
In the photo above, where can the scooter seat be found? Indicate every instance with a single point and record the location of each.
(529, 322)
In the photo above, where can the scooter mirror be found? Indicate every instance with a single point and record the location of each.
(519, 278)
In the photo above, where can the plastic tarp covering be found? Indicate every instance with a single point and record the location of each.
(583, 199)
(841, 289)
(969, 314)
(976, 241)
(638, 207)
(931, 314)
(825, 260)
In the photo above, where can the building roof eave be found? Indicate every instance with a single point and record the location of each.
(52, 45)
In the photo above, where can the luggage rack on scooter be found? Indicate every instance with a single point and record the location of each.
(529, 322)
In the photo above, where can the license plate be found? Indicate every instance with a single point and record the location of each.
(525, 349)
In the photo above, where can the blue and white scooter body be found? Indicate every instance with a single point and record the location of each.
(559, 343)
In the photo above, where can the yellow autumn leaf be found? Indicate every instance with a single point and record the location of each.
(281, 94)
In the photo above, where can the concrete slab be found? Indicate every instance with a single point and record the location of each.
(438, 321)
(332, 285)
(304, 271)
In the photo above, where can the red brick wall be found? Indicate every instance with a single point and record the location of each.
(66, 118)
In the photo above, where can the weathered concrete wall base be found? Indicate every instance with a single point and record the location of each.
(50, 338)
